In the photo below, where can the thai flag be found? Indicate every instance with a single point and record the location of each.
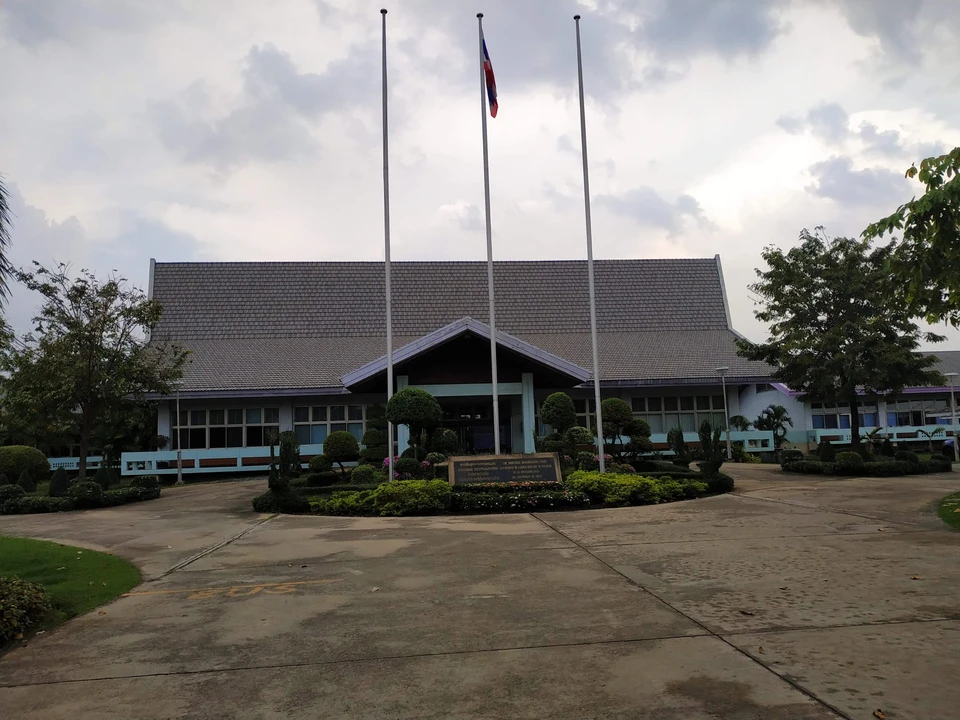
(491, 81)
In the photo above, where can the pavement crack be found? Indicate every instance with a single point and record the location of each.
(212, 549)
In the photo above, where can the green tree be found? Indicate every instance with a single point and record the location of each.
(558, 412)
(739, 423)
(774, 418)
(832, 331)
(89, 356)
(340, 447)
(924, 262)
(418, 410)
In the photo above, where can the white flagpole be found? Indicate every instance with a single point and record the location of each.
(386, 244)
(486, 207)
(593, 301)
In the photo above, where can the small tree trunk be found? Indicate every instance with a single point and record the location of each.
(85, 423)
(854, 422)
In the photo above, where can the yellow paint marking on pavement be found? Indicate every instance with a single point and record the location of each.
(235, 591)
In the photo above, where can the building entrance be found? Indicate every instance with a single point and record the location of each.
(472, 421)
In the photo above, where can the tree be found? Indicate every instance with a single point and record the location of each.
(833, 333)
(418, 410)
(739, 423)
(774, 418)
(89, 357)
(340, 447)
(558, 412)
(617, 421)
(924, 263)
(5, 224)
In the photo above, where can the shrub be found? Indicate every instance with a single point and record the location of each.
(886, 448)
(365, 475)
(375, 439)
(344, 503)
(407, 468)
(807, 467)
(553, 442)
(124, 495)
(102, 477)
(719, 483)
(578, 436)
(411, 497)
(14, 459)
(319, 464)
(27, 504)
(558, 412)
(622, 469)
(681, 453)
(86, 494)
(149, 482)
(24, 605)
(525, 501)
(587, 461)
(848, 463)
(415, 408)
(826, 452)
(509, 488)
(59, 483)
(322, 479)
(341, 447)
(444, 441)
(887, 468)
(9, 492)
(907, 456)
(711, 449)
(289, 454)
(282, 502)
(787, 456)
(936, 463)
(435, 458)
(3, 480)
(649, 465)
(27, 482)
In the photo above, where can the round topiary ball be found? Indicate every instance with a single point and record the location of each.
(413, 407)
(320, 463)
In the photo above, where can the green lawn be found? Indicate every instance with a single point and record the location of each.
(949, 510)
(77, 580)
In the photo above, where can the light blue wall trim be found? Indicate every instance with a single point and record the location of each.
(528, 413)
(471, 389)
(403, 432)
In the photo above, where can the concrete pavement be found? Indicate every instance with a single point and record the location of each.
(789, 599)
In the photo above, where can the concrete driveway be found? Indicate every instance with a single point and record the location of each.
(794, 598)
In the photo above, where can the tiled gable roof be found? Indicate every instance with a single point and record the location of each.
(275, 326)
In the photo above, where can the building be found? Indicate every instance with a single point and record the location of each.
(300, 346)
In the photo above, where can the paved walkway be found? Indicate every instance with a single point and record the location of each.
(793, 598)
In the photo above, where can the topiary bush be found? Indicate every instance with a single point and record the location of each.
(86, 494)
(621, 490)
(289, 465)
(559, 412)
(907, 456)
(411, 497)
(407, 468)
(681, 452)
(435, 458)
(14, 459)
(587, 461)
(24, 605)
(417, 409)
(319, 464)
(375, 439)
(848, 463)
(790, 456)
(936, 463)
(826, 452)
(282, 502)
(886, 448)
(9, 492)
(577, 437)
(444, 441)
(59, 483)
(711, 449)
(341, 447)
(323, 479)
(149, 482)
(27, 482)
(365, 475)
(102, 477)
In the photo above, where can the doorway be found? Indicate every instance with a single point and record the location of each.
(472, 421)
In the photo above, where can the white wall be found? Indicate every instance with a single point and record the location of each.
(753, 403)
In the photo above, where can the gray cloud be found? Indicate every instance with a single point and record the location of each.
(827, 121)
(647, 207)
(34, 22)
(836, 179)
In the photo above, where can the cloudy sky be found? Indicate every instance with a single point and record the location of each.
(249, 130)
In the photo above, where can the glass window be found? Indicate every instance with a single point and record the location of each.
(891, 419)
(688, 422)
(356, 429)
(337, 427)
(234, 437)
(671, 420)
(718, 402)
(216, 417)
(320, 414)
(271, 431)
(703, 402)
(656, 424)
(218, 437)
(198, 437)
(686, 403)
(818, 422)
(639, 404)
(670, 404)
(868, 420)
(916, 417)
(271, 416)
(338, 412)
(182, 418)
(845, 422)
(830, 422)
(653, 404)
(355, 412)
(198, 417)
(254, 434)
(303, 434)
(254, 416)
(301, 414)
(234, 417)
(318, 433)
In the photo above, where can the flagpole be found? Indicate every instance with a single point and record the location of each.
(590, 282)
(386, 244)
(486, 207)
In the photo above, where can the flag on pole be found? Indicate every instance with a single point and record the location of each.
(491, 81)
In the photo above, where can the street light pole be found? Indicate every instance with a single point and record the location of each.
(953, 416)
(722, 371)
(179, 443)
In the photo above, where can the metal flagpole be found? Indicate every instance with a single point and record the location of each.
(593, 301)
(486, 207)
(386, 244)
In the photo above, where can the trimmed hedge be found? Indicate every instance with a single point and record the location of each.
(80, 496)
(286, 502)
(528, 501)
(14, 459)
(790, 455)
(507, 488)
(848, 463)
(882, 468)
(24, 605)
(621, 490)
(323, 479)
(10, 492)
(411, 497)
(86, 495)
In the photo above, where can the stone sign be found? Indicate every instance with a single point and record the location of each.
(537, 467)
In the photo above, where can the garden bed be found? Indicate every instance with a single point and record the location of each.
(14, 500)
(851, 463)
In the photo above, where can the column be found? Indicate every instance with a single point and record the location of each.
(529, 415)
(403, 432)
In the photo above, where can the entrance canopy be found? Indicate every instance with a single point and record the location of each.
(460, 353)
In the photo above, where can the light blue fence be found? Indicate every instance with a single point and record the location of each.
(753, 440)
(904, 434)
(73, 464)
(164, 462)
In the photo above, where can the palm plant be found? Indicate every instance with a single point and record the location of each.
(775, 419)
(739, 423)
(928, 434)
